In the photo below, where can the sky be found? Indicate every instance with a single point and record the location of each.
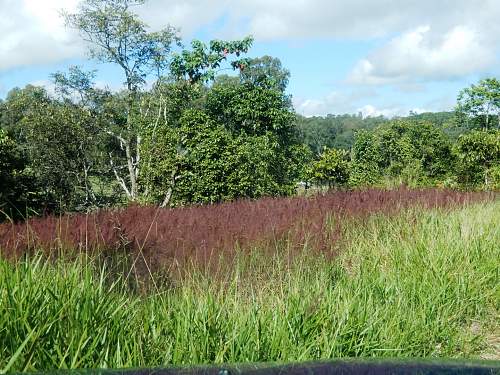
(377, 57)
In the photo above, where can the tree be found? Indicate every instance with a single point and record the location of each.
(479, 105)
(479, 158)
(253, 110)
(61, 149)
(116, 35)
(334, 131)
(415, 152)
(332, 168)
(167, 103)
(266, 70)
(19, 103)
(11, 166)
(221, 142)
(201, 63)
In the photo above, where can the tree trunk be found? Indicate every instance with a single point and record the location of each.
(170, 190)
(132, 163)
(131, 171)
(488, 115)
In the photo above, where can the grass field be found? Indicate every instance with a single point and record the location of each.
(419, 283)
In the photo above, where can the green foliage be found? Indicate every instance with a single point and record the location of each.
(446, 121)
(266, 71)
(332, 168)
(365, 169)
(18, 104)
(492, 177)
(43, 178)
(200, 64)
(11, 167)
(225, 142)
(253, 110)
(478, 106)
(418, 284)
(60, 144)
(479, 157)
(415, 152)
(334, 131)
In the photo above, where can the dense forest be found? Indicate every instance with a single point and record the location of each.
(197, 136)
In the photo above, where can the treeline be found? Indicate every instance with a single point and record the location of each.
(196, 136)
(338, 131)
(459, 149)
(413, 152)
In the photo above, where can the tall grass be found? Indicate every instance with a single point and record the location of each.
(418, 284)
(165, 237)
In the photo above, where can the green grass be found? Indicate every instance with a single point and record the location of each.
(420, 284)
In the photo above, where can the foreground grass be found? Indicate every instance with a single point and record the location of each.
(421, 284)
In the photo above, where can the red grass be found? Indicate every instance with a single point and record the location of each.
(198, 232)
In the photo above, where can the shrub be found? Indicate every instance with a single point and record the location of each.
(332, 168)
(479, 155)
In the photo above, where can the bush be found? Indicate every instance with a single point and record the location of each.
(479, 156)
(332, 168)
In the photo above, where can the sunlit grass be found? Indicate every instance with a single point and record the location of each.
(419, 284)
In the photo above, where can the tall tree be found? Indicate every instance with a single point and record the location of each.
(164, 148)
(479, 104)
(116, 35)
(266, 70)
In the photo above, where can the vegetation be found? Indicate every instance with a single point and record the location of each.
(394, 290)
(196, 136)
(332, 168)
(479, 105)
(161, 224)
(187, 233)
(479, 158)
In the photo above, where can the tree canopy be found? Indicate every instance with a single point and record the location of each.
(182, 130)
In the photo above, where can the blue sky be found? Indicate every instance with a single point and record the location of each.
(345, 56)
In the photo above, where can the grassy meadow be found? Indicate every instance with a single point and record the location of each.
(422, 281)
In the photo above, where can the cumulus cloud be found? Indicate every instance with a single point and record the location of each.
(354, 101)
(419, 41)
(32, 32)
(389, 112)
(332, 103)
(188, 15)
(420, 55)
(342, 101)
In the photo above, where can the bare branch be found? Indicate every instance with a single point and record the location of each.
(120, 180)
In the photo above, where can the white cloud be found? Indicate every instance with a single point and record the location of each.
(356, 101)
(188, 15)
(420, 55)
(337, 102)
(389, 112)
(33, 33)
(47, 85)
(430, 39)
